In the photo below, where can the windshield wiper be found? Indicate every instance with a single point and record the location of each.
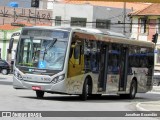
(50, 46)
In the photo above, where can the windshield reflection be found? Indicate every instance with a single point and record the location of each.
(42, 54)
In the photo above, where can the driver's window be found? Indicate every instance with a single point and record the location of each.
(76, 49)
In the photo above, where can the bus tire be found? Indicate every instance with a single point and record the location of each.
(85, 90)
(133, 90)
(39, 94)
(132, 93)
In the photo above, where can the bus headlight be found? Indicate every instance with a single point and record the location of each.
(58, 79)
(17, 75)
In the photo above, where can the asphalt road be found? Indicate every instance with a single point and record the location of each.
(25, 100)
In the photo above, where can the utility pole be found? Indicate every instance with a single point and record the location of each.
(35, 4)
(35, 16)
(124, 18)
(14, 15)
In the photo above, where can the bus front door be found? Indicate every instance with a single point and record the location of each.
(123, 69)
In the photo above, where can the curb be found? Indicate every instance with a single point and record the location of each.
(139, 108)
(155, 89)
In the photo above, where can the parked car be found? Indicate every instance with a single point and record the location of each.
(156, 78)
(4, 67)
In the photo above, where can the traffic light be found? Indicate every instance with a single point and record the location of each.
(35, 3)
(155, 38)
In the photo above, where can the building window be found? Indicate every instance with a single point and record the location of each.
(143, 26)
(58, 21)
(78, 22)
(105, 24)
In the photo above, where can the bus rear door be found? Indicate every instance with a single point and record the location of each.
(123, 69)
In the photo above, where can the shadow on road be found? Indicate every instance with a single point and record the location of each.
(5, 83)
(104, 98)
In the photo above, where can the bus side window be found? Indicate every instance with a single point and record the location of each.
(114, 56)
(76, 52)
(72, 49)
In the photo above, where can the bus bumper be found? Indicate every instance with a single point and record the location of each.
(48, 87)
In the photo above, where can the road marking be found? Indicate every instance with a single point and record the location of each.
(139, 108)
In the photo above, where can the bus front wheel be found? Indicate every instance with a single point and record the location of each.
(85, 90)
(39, 94)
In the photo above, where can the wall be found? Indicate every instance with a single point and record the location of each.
(115, 15)
(4, 43)
(152, 28)
(134, 31)
(25, 15)
(66, 11)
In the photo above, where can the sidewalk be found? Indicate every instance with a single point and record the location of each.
(6, 78)
(152, 105)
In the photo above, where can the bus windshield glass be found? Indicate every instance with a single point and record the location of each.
(43, 53)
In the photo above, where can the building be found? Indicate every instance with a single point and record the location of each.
(20, 16)
(145, 23)
(5, 34)
(129, 5)
(106, 16)
(87, 15)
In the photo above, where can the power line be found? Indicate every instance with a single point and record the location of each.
(52, 19)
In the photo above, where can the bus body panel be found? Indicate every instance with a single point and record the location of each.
(112, 83)
(75, 85)
(75, 70)
(58, 87)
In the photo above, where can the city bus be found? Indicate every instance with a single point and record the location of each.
(82, 61)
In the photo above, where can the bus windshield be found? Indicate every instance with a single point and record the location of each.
(48, 54)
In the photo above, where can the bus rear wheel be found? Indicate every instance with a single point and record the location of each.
(39, 94)
(133, 91)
